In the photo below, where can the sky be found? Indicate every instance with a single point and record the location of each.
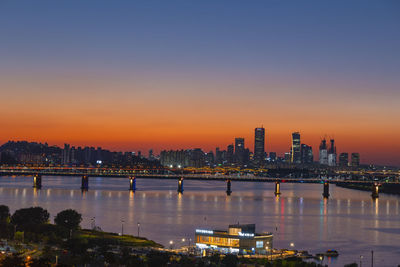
(135, 75)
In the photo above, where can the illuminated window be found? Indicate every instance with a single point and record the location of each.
(259, 244)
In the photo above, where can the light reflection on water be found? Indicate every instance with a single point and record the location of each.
(349, 221)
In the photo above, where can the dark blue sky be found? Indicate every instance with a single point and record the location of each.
(346, 38)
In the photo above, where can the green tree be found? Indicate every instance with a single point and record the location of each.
(230, 260)
(34, 216)
(4, 213)
(69, 219)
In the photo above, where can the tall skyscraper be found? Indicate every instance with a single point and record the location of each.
(323, 153)
(355, 159)
(66, 155)
(344, 159)
(239, 150)
(230, 153)
(332, 154)
(306, 154)
(259, 146)
(218, 156)
(295, 150)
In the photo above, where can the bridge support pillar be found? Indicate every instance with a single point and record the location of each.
(228, 187)
(85, 183)
(37, 181)
(132, 183)
(375, 191)
(325, 194)
(277, 188)
(180, 185)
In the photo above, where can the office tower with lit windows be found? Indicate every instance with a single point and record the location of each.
(259, 146)
(355, 159)
(287, 157)
(344, 159)
(295, 149)
(239, 150)
(306, 154)
(66, 154)
(323, 153)
(332, 154)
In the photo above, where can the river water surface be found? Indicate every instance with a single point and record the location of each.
(350, 221)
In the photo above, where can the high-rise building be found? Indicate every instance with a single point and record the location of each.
(295, 149)
(332, 154)
(230, 153)
(151, 156)
(355, 159)
(287, 157)
(259, 146)
(210, 158)
(272, 156)
(344, 159)
(323, 153)
(218, 156)
(306, 154)
(239, 150)
(66, 155)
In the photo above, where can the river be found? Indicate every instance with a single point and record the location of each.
(349, 221)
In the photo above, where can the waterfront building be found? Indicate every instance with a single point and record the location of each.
(355, 159)
(295, 149)
(332, 154)
(344, 159)
(306, 154)
(259, 146)
(240, 238)
(323, 153)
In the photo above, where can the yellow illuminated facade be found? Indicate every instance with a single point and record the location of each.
(238, 239)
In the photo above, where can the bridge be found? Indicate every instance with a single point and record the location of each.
(132, 174)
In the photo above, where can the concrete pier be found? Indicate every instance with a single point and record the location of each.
(375, 191)
(228, 187)
(132, 183)
(85, 183)
(37, 181)
(277, 188)
(326, 194)
(180, 185)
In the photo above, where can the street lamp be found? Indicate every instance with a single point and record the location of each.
(122, 226)
(138, 229)
(361, 256)
(93, 222)
(171, 243)
(292, 244)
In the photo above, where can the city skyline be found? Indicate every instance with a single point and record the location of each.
(136, 76)
(238, 152)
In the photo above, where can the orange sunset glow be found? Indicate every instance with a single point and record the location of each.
(119, 88)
